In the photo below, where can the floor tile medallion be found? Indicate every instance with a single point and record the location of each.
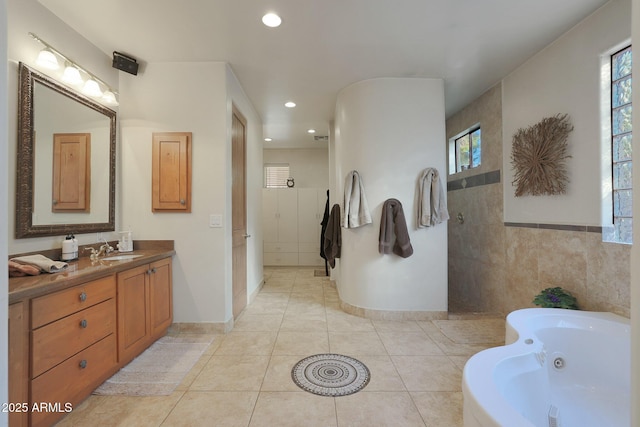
(330, 375)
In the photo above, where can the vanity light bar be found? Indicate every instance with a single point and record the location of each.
(108, 96)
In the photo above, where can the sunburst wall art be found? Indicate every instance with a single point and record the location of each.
(539, 155)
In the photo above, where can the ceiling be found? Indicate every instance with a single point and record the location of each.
(323, 46)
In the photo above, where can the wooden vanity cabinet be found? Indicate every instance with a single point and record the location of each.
(145, 307)
(64, 344)
(73, 346)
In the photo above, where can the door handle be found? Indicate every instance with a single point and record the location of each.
(246, 236)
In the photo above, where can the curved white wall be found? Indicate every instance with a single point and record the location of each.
(389, 130)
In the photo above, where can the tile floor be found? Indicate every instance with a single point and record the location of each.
(244, 378)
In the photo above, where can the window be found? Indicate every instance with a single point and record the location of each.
(275, 175)
(465, 150)
(621, 140)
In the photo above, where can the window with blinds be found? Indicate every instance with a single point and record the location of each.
(275, 175)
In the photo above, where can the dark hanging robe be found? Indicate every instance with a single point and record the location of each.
(325, 221)
(332, 236)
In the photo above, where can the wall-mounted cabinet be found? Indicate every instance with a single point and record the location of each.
(291, 225)
(71, 172)
(171, 172)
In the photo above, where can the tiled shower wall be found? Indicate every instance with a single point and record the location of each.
(499, 268)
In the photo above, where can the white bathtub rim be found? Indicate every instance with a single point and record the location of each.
(481, 396)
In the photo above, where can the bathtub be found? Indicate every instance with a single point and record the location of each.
(559, 368)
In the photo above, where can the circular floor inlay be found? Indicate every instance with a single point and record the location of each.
(330, 375)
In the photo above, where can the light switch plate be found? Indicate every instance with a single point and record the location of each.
(215, 221)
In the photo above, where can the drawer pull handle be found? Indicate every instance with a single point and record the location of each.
(83, 323)
(83, 297)
(83, 363)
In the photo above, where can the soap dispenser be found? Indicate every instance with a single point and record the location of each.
(69, 248)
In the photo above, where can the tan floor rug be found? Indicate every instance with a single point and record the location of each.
(159, 369)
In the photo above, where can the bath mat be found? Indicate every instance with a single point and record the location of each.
(330, 375)
(159, 369)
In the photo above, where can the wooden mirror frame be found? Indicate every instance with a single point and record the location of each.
(28, 77)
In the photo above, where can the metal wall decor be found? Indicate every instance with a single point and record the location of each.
(539, 155)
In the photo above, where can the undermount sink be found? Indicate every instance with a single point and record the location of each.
(121, 257)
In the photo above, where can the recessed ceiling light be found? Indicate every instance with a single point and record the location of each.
(268, 139)
(290, 104)
(311, 131)
(271, 20)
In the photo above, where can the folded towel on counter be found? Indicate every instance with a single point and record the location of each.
(45, 264)
(19, 270)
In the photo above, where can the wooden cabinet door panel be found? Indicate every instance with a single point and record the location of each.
(71, 172)
(133, 312)
(171, 172)
(161, 296)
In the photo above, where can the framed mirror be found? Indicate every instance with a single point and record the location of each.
(66, 149)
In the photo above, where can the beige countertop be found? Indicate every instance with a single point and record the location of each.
(84, 270)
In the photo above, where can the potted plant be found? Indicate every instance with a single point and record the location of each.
(556, 298)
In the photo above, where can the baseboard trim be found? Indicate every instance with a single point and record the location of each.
(372, 314)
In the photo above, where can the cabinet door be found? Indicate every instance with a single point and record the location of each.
(308, 220)
(171, 172)
(287, 215)
(160, 297)
(18, 362)
(270, 214)
(71, 172)
(134, 329)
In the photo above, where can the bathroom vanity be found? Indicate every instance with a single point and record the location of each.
(70, 331)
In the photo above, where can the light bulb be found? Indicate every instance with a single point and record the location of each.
(290, 104)
(91, 88)
(71, 75)
(109, 98)
(47, 59)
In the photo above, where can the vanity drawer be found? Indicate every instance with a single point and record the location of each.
(56, 341)
(280, 247)
(49, 308)
(72, 380)
(280, 258)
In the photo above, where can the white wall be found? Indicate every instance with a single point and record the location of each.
(564, 78)
(390, 130)
(309, 167)
(4, 207)
(26, 16)
(190, 97)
